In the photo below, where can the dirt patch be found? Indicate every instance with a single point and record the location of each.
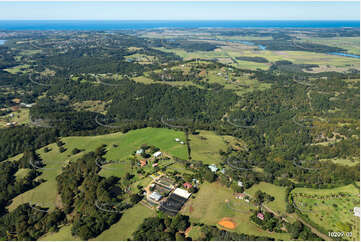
(187, 231)
(58, 202)
(227, 223)
(190, 209)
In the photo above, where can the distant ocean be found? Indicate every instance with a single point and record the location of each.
(143, 24)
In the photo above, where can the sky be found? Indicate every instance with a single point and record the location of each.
(214, 10)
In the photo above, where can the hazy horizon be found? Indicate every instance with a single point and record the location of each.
(175, 11)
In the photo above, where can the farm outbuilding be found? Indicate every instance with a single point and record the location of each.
(155, 196)
(157, 154)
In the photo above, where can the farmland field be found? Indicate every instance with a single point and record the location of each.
(128, 223)
(214, 202)
(279, 193)
(206, 145)
(332, 209)
(129, 142)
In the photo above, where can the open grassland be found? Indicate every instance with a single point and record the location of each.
(240, 84)
(21, 116)
(344, 162)
(141, 58)
(18, 69)
(21, 173)
(29, 52)
(46, 193)
(214, 202)
(128, 224)
(206, 145)
(64, 234)
(332, 209)
(279, 193)
(146, 80)
(91, 105)
(351, 44)
(228, 53)
(302, 57)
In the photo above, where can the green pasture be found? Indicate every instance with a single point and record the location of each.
(329, 208)
(46, 193)
(214, 202)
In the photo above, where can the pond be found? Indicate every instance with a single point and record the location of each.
(344, 54)
(261, 47)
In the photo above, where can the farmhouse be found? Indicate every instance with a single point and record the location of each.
(143, 163)
(240, 196)
(213, 168)
(260, 216)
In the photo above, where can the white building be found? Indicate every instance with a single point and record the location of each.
(356, 211)
(139, 152)
(177, 139)
(182, 193)
(240, 184)
(155, 196)
(213, 168)
(157, 154)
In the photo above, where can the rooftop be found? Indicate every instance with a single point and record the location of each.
(155, 196)
(182, 193)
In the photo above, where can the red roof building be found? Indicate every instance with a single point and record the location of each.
(143, 163)
(155, 164)
(260, 216)
(187, 185)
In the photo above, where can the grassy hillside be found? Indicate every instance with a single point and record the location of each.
(46, 194)
(206, 145)
(332, 209)
(214, 202)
